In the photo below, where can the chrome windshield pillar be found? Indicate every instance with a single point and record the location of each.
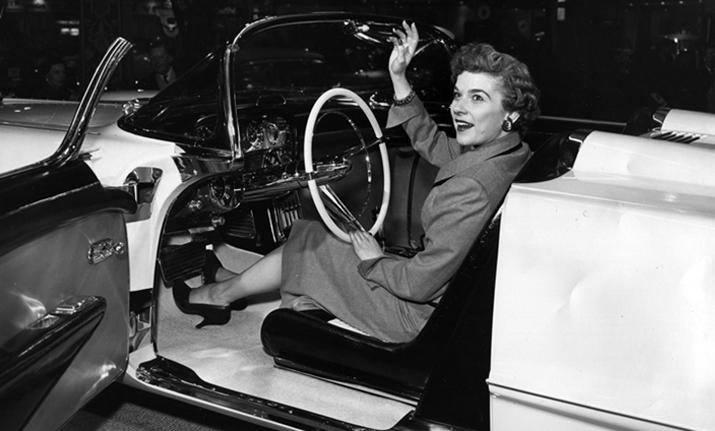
(228, 101)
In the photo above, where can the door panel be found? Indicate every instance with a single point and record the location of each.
(47, 228)
(47, 346)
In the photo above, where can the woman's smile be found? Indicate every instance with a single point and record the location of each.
(461, 126)
(477, 108)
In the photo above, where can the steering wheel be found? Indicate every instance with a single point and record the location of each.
(315, 190)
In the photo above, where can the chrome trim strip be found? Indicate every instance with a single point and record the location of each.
(229, 103)
(54, 128)
(579, 136)
(660, 114)
(194, 166)
(583, 406)
(582, 120)
(69, 148)
(175, 377)
(75, 133)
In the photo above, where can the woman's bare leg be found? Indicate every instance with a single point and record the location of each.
(261, 277)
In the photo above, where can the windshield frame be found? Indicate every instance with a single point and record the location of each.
(224, 141)
(363, 23)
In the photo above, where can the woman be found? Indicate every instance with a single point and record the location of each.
(391, 297)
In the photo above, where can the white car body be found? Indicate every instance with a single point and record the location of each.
(624, 336)
(33, 130)
(603, 300)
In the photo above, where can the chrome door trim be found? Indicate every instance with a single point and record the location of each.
(169, 375)
(75, 133)
(99, 251)
(521, 396)
(175, 377)
(229, 102)
(69, 148)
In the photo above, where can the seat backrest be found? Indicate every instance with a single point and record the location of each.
(474, 281)
(476, 272)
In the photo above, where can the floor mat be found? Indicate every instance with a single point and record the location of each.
(232, 356)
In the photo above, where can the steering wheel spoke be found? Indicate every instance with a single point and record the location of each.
(338, 210)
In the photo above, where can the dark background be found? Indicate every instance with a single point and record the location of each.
(602, 59)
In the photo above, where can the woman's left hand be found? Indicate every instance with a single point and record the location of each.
(365, 246)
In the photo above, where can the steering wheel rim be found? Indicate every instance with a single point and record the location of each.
(308, 161)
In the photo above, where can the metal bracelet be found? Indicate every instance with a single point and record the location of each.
(404, 101)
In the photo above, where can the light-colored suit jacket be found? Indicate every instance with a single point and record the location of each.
(467, 191)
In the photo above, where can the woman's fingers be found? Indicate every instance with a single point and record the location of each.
(358, 236)
(365, 246)
(413, 36)
(401, 35)
(404, 43)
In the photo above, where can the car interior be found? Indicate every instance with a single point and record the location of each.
(306, 359)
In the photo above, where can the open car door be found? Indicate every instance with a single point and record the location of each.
(64, 279)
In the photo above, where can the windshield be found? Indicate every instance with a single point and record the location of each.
(292, 63)
(310, 57)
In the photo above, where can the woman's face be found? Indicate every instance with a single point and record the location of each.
(477, 110)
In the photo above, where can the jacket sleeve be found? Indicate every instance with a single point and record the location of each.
(431, 143)
(459, 213)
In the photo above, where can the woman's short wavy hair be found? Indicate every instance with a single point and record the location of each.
(520, 92)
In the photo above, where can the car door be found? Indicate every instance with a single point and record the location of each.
(64, 279)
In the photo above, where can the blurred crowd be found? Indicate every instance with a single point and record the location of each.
(590, 76)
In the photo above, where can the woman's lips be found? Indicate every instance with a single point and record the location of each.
(461, 126)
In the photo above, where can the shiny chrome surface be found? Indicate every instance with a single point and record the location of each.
(104, 249)
(178, 378)
(60, 279)
(193, 166)
(660, 114)
(511, 409)
(74, 304)
(75, 133)
(141, 183)
(69, 148)
(228, 101)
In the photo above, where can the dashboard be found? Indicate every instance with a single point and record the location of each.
(266, 133)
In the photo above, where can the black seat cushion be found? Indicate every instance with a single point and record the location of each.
(306, 342)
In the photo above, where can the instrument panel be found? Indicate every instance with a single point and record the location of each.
(269, 132)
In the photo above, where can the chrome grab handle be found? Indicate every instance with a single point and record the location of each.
(104, 249)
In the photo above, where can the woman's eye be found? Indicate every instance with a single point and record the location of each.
(477, 98)
(455, 96)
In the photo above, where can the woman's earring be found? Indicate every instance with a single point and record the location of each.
(507, 125)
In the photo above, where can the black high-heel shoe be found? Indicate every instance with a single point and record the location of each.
(212, 314)
(210, 268)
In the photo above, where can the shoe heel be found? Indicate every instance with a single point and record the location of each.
(212, 314)
(214, 318)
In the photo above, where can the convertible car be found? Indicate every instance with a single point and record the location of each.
(586, 303)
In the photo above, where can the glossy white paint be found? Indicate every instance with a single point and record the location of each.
(114, 154)
(606, 289)
(23, 146)
(689, 121)
(53, 113)
(32, 130)
(513, 410)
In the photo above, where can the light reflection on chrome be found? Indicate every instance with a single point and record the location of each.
(175, 377)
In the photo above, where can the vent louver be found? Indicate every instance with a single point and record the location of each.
(684, 138)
